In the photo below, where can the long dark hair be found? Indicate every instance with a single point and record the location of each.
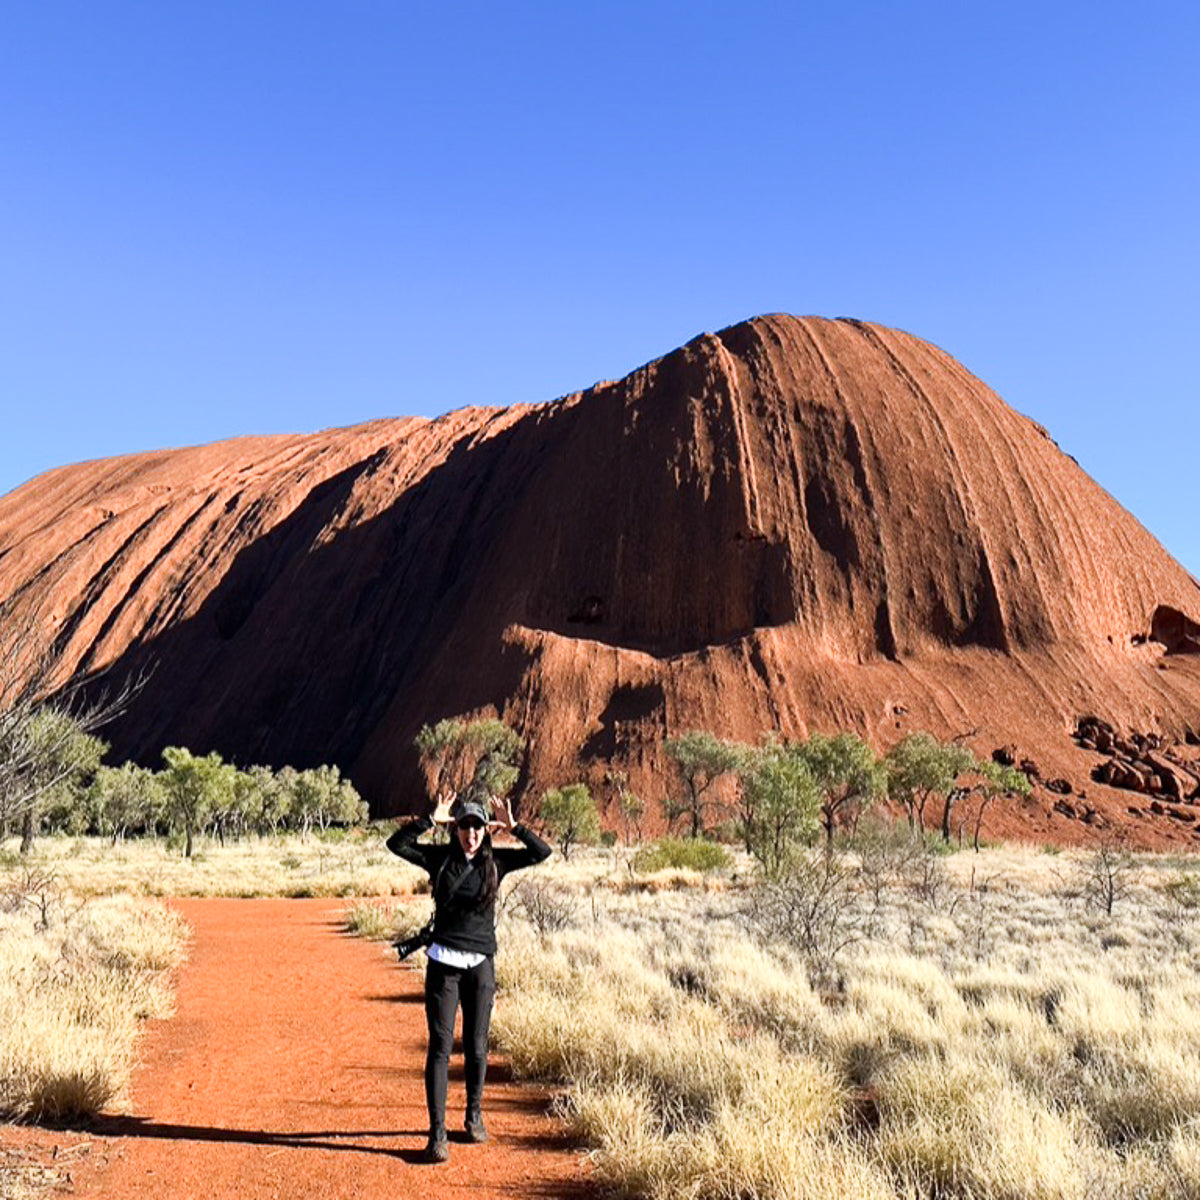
(485, 859)
(491, 876)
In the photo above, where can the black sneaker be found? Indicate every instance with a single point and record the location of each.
(438, 1149)
(474, 1127)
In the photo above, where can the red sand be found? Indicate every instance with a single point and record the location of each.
(293, 1069)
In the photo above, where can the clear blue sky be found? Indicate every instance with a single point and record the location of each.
(222, 217)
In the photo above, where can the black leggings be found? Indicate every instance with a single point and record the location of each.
(445, 988)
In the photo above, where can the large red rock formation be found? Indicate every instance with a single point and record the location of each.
(793, 524)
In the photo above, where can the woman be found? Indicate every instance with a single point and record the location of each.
(466, 877)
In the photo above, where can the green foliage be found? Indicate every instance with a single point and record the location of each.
(999, 780)
(195, 788)
(56, 759)
(321, 797)
(469, 756)
(691, 854)
(848, 776)
(1183, 893)
(571, 816)
(919, 767)
(993, 780)
(125, 799)
(780, 801)
(702, 758)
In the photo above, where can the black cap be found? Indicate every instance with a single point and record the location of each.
(469, 810)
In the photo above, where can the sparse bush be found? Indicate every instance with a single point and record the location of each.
(548, 907)
(813, 906)
(1106, 875)
(886, 853)
(691, 854)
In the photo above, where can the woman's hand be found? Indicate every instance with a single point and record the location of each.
(502, 817)
(441, 810)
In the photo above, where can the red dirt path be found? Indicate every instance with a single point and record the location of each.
(293, 1069)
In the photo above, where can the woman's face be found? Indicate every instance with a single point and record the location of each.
(470, 836)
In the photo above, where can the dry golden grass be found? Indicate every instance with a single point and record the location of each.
(352, 864)
(992, 1039)
(75, 979)
(989, 1036)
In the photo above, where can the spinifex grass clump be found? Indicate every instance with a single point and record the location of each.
(686, 854)
(75, 979)
(993, 1037)
(385, 920)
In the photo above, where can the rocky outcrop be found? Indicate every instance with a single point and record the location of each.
(1140, 762)
(793, 524)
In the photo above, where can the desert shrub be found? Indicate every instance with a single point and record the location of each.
(548, 907)
(691, 854)
(1106, 875)
(815, 906)
(372, 919)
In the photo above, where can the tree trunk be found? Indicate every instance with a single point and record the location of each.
(27, 831)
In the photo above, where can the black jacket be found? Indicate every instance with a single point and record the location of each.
(458, 920)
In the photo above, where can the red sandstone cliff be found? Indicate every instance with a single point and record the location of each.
(794, 524)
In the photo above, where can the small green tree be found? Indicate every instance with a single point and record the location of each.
(278, 791)
(848, 776)
(571, 816)
(994, 781)
(321, 797)
(780, 804)
(919, 767)
(633, 810)
(438, 748)
(195, 788)
(123, 799)
(498, 751)
(702, 758)
(57, 759)
(460, 756)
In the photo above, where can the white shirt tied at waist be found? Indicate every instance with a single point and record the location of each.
(461, 960)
